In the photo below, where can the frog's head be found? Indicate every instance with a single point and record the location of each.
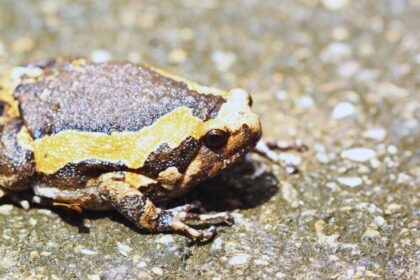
(226, 138)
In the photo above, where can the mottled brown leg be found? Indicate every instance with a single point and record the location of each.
(267, 148)
(130, 202)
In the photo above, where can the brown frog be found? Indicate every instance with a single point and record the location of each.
(116, 135)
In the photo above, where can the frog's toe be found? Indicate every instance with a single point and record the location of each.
(182, 213)
(179, 220)
(209, 219)
(297, 145)
(175, 225)
(267, 148)
(187, 207)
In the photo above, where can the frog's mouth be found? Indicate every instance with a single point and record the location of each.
(241, 143)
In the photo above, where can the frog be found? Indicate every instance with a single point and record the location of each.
(117, 135)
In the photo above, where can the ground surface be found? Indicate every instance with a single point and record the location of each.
(343, 75)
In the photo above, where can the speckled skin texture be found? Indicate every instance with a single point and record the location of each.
(107, 97)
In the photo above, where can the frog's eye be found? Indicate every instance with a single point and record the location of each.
(215, 138)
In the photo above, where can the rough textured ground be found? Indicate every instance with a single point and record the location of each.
(343, 75)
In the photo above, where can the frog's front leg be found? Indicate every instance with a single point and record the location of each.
(268, 148)
(124, 195)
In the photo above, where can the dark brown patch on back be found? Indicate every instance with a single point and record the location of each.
(165, 157)
(105, 97)
(16, 164)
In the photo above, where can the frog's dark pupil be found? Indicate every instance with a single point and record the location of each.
(216, 138)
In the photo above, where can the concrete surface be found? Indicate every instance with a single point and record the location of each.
(343, 75)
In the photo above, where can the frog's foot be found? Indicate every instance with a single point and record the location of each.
(179, 219)
(268, 148)
(135, 206)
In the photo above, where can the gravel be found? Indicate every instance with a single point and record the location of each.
(341, 75)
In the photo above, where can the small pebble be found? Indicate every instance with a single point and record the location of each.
(88, 252)
(23, 45)
(2, 50)
(134, 57)
(290, 194)
(223, 60)
(177, 56)
(35, 255)
(359, 154)
(363, 169)
(377, 133)
(334, 4)
(375, 163)
(417, 58)
(371, 233)
(94, 277)
(369, 274)
(340, 33)
(392, 149)
(348, 69)
(281, 95)
(6, 209)
(33, 222)
(404, 178)
(332, 186)
(305, 102)
(239, 259)
(141, 264)
(261, 262)
(380, 221)
(99, 56)
(45, 212)
(157, 270)
(136, 258)
(336, 51)
(124, 249)
(25, 204)
(350, 181)
(217, 244)
(280, 275)
(322, 157)
(165, 239)
(393, 208)
(343, 110)
(46, 254)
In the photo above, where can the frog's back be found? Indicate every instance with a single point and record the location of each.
(105, 97)
(70, 118)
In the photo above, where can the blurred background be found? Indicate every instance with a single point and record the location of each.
(342, 75)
